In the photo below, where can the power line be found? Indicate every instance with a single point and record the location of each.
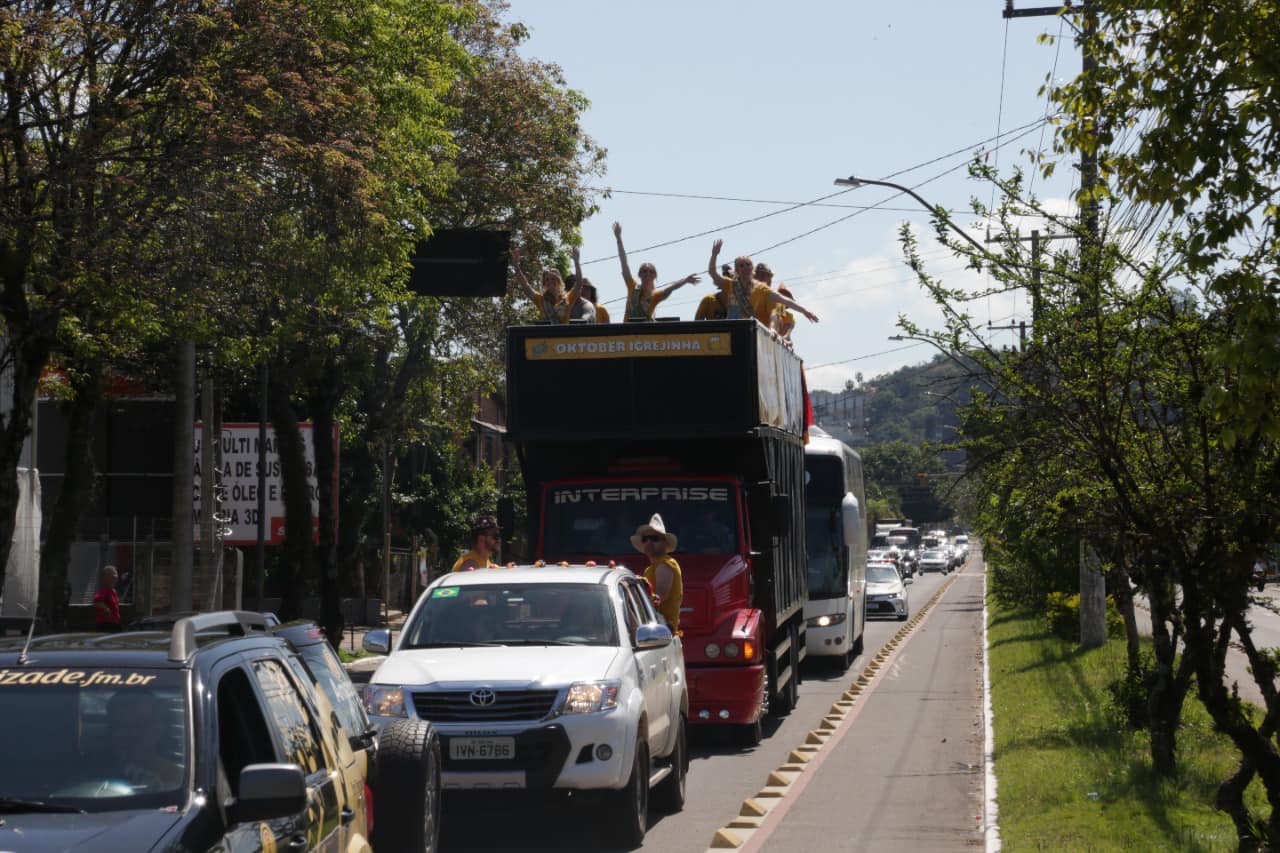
(864, 357)
(797, 205)
(699, 197)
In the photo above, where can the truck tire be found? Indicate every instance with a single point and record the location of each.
(784, 701)
(406, 798)
(670, 794)
(627, 811)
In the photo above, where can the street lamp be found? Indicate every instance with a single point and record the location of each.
(855, 182)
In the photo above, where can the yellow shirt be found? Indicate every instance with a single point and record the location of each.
(559, 311)
(639, 309)
(725, 305)
(602, 314)
(473, 557)
(669, 606)
(710, 308)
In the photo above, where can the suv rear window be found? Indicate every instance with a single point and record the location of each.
(97, 739)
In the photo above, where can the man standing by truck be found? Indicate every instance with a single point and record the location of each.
(663, 572)
(486, 536)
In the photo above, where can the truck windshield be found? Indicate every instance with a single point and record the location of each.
(585, 520)
(96, 739)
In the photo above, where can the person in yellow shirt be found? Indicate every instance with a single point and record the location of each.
(744, 296)
(643, 298)
(486, 539)
(553, 302)
(588, 291)
(663, 572)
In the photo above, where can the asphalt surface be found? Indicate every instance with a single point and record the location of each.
(906, 775)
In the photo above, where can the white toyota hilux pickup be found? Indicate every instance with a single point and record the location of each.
(559, 677)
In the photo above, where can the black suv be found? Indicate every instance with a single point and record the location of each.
(218, 735)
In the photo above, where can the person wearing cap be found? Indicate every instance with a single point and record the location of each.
(486, 536)
(783, 321)
(663, 572)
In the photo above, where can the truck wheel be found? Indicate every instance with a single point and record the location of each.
(669, 795)
(628, 809)
(784, 701)
(407, 797)
(748, 734)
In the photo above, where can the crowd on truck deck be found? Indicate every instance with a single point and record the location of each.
(743, 290)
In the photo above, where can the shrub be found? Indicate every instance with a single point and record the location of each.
(1062, 613)
(1128, 705)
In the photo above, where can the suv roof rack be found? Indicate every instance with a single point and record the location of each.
(237, 622)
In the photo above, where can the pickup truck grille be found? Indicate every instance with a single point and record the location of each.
(456, 706)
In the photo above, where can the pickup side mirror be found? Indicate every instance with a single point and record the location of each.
(653, 636)
(377, 641)
(269, 792)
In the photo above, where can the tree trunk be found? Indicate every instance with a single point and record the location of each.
(1169, 683)
(182, 534)
(326, 472)
(78, 481)
(297, 552)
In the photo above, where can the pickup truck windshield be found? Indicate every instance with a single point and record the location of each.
(93, 739)
(586, 520)
(543, 614)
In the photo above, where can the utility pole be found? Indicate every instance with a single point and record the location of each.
(1093, 628)
(183, 441)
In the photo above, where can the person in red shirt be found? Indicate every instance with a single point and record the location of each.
(106, 602)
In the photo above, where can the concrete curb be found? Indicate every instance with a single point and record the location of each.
(760, 814)
(991, 810)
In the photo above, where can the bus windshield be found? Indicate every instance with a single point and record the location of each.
(823, 537)
(585, 520)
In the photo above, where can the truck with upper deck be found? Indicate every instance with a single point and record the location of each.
(704, 424)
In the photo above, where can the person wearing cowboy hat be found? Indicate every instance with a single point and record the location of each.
(486, 536)
(663, 573)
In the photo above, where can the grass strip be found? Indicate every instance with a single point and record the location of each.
(1070, 776)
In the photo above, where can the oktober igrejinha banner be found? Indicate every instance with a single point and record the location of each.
(627, 346)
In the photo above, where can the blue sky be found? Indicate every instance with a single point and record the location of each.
(770, 102)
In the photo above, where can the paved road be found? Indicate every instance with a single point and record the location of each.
(911, 757)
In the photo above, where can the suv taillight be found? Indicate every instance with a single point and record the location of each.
(368, 808)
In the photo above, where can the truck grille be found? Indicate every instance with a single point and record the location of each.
(456, 706)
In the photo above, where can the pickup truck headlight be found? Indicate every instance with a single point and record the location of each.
(381, 701)
(587, 697)
(826, 620)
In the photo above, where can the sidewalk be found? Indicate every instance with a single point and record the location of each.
(907, 774)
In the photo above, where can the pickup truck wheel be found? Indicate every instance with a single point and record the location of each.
(406, 799)
(628, 812)
(670, 793)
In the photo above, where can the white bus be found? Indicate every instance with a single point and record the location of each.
(836, 537)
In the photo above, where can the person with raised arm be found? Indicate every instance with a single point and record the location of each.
(742, 295)
(643, 298)
(555, 305)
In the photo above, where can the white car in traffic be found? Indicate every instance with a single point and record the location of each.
(545, 678)
(887, 591)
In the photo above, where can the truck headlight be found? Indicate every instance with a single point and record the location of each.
(826, 620)
(587, 697)
(382, 701)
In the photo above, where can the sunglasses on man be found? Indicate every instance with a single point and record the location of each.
(652, 537)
